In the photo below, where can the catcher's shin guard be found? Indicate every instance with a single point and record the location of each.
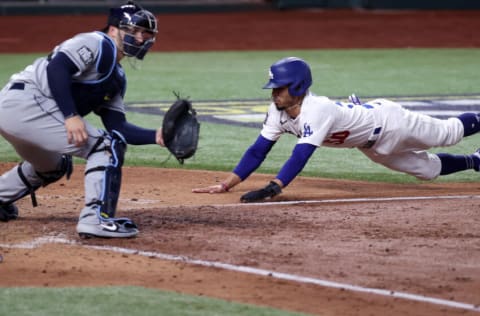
(112, 179)
(42, 179)
(97, 218)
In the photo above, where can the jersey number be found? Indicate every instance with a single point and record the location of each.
(337, 138)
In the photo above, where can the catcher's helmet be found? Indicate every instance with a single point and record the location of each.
(132, 17)
(292, 72)
(117, 14)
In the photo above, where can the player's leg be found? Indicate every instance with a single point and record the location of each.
(425, 165)
(103, 176)
(408, 131)
(29, 118)
(39, 168)
(420, 164)
(441, 133)
(26, 123)
(455, 163)
(24, 179)
(470, 122)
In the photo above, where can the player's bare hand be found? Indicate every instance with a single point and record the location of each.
(76, 131)
(159, 138)
(218, 188)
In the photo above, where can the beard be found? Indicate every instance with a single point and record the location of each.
(284, 107)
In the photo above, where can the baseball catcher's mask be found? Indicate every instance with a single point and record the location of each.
(132, 18)
(142, 21)
(181, 129)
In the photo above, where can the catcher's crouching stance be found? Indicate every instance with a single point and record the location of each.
(42, 110)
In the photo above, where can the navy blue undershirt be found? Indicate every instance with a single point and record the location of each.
(59, 74)
(295, 164)
(257, 152)
(253, 157)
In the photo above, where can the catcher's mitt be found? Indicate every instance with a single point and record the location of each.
(180, 129)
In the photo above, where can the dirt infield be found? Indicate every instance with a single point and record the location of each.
(366, 248)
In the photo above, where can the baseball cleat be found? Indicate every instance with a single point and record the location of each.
(8, 212)
(91, 226)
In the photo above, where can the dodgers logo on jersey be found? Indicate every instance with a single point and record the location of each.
(86, 55)
(307, 130)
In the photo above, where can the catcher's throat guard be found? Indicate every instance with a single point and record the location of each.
(180, 129)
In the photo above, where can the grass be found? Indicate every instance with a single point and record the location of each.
(115, 301)
(233, 75)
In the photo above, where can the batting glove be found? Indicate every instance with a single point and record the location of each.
(267, 192)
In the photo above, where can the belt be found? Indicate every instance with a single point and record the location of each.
(17, 86)
(373, 138)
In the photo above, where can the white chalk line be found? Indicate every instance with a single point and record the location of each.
(356, 200)
(299, 202)
(123, 200)
(244, 269)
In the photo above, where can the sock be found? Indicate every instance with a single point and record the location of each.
(471, 123)
(455, 163)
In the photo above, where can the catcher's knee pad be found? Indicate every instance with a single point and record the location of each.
(65, 167)
(112, 179)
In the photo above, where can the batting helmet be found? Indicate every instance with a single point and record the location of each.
(292, 72)
(131, 16)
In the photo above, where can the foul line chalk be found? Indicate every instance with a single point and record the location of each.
(301, 202)
(357, 200)
(244, 269)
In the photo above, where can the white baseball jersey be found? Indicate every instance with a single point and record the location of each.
(381, 129)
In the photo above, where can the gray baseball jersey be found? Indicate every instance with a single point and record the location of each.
(33, 123)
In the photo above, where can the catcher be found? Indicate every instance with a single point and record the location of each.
(42, 111)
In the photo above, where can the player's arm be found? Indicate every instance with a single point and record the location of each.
(134, 135)
(251, 160)
(292, 167)
(59, 75)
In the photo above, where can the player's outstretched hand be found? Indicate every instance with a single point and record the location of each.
(217, 188)
(267, 192)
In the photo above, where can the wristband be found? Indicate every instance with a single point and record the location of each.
(224, 186)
